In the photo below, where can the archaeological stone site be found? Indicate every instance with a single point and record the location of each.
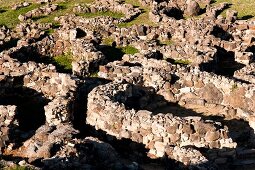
(127, 84)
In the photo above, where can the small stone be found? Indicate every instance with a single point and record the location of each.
(212, 136)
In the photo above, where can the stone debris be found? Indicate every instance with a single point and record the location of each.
(45, 10)
(128, 10)
(20, 5)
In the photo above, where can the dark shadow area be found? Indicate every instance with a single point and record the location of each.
(223, 64)
(202, 11)
(9, 44)
(213, 1)
(132, 64)
(179, 62)
(159, 1)
(246, 17)
(155, 55)
(36, 18)
(174, 12)
(30, 108)
(2, 10)
(80, 33)
(220, 33)
(80, 103)
(134, 152)
(111, 52)
(251, 48)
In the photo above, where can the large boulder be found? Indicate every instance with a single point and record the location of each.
(211, 94)
(193, 8)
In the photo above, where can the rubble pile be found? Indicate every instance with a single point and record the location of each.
(45, 10)
(128, 10)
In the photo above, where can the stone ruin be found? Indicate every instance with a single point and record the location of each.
(110, 5)
(198, 113)
(38, 12)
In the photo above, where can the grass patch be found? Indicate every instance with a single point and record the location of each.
(49, 31)
(64, 8)
(64, 62)
(141, 19)
(234, 87)
(108, 41)
(245, 8)
(10, 19)
(166, 42)
(116, 15)
(129, 50)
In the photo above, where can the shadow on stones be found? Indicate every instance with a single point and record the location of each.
(251, 48)
(80, 33)
(30, 109)
(213, 1)
(174, 13)
(111, 52)
(223, 63)
(202, 11)
(134, 152)
(145, 98)
(246, 17)
(128, 150)
(132, 64)
(9, 44)
(36, 18)
(239, 130)
(221, 33)
(80, 103)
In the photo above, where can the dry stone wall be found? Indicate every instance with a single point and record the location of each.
(188, 95)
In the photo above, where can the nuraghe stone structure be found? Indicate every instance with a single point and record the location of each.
(187, 96)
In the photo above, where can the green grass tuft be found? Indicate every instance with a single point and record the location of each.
(10, 19)
(234, 87)
(17, 167)
(184, 62)
(64, 62)
(129, 50)
(49, 31)
(245, 8)
(166, 42)
(178, 61)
